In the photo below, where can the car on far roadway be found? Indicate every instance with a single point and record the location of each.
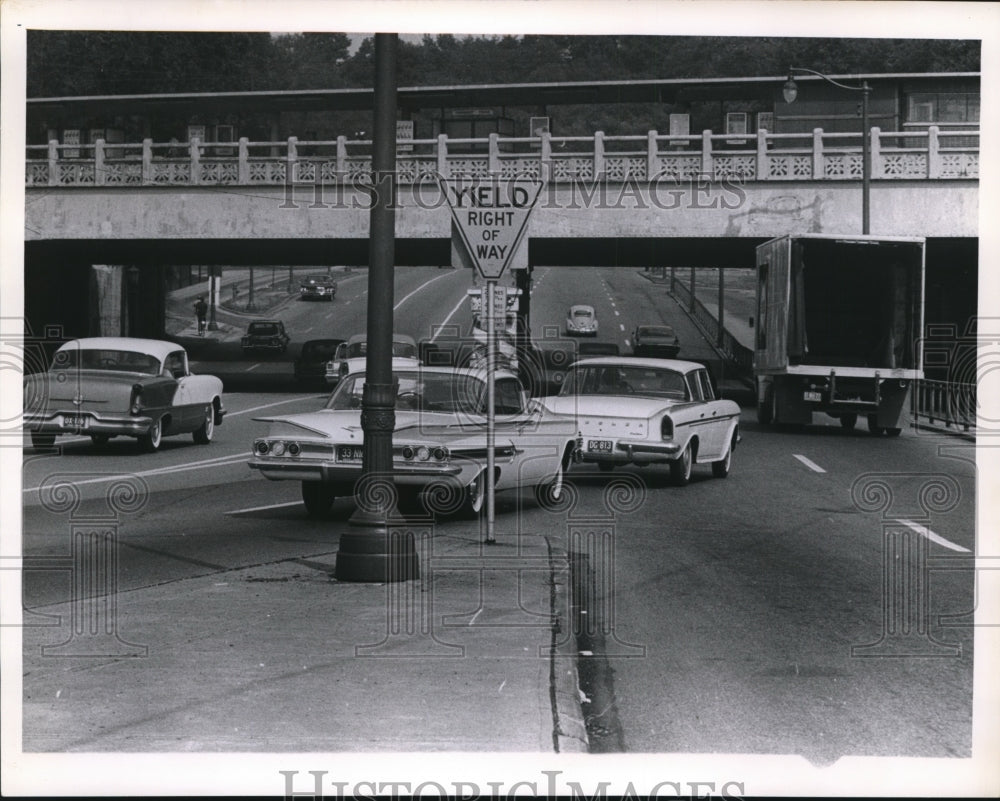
(438, 444)
(649, 411)
(655, 341)
(105, 387)
(317, 287)
(310, 366)
(581, 320)
(265, 335)
(356, 347)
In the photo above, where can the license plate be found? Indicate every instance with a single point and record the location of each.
(812, 396)
(350, 453)
(599, 445)
(69, 421)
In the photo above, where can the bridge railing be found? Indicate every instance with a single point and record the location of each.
(820, 156)
(945, 402)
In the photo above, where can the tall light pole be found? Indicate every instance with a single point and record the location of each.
(791, 90)
(372, 550)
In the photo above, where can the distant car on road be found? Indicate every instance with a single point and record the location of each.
(655, 341)
(599, 349)
(581, 320)
(310, 366)
(265, 335)
(356, 347)
(649, 411)
(317, 287)
(105, 387)
(438, 445)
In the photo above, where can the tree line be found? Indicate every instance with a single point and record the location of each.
(75, 63)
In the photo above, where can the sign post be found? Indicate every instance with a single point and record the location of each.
(490, 217)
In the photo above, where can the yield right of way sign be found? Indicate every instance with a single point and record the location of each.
(491, 217)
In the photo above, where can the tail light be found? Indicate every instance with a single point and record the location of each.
(667, 428)
(135, 400)
(261, 447)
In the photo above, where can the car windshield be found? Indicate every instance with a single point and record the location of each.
(264, 329)
(582, 313)
(625, 379)
(318, 351)
(435, 392)
(317, 279)
(123, 361)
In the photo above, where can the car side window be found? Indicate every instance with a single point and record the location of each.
(694, 387)
(706, 385)
(174, 365)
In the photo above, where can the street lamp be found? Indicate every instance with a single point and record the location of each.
(790, 91)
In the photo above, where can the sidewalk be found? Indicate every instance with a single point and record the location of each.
(474, 656)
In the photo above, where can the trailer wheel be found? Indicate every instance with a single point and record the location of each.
(848, 421)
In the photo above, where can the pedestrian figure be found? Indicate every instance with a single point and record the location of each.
(200, 310)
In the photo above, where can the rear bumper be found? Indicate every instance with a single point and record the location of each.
(634, 453)
(333, 473)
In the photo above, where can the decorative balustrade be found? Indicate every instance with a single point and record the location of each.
(820, 156)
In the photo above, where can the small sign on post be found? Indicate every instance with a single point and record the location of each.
(490, 218)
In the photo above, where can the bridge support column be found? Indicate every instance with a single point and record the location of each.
(110, 300)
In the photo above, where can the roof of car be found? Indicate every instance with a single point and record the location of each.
(637, 361)
(667, 330)
(581, 307)
(265, 322)
(151, 347)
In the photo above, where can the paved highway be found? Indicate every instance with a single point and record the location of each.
(726, 616)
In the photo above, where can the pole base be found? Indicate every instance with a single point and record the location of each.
(377, 552)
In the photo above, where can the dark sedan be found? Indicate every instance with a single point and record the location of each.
(655, 341)
(310, 366)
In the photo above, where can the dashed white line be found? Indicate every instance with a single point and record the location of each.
(253, 367)
(809, 463)
(616, 313)
(621, 326)
(923, 531)
(265, 406)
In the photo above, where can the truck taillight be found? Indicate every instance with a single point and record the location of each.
(135, 401)
(666, 428)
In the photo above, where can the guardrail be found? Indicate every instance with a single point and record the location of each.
(819, 156)
(944, 402)
(738, 356)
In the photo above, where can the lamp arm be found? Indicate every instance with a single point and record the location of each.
(863, 88)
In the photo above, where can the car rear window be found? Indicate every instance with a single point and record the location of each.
(123, 361)
(263, 328)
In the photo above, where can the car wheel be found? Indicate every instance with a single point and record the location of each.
(720, 469)
(317, 497)
(150, 441)
(848, 421)
(100, 440)
(41, 440)
(549, 493)
(204, 434)
(680, 468)
(474, 496)
(873, 425)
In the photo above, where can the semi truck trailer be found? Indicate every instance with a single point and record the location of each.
(838, 330)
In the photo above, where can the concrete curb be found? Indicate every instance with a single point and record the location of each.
(569, 732)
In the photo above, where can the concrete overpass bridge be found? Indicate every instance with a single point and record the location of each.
(632, 201)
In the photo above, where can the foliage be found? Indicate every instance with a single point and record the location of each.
(72, 63)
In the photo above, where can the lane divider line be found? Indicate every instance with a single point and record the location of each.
(269, 405)
(809, 463)
(440, 328)
(263, 508)
(923, 531)
(159, 471)
(426, 283)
